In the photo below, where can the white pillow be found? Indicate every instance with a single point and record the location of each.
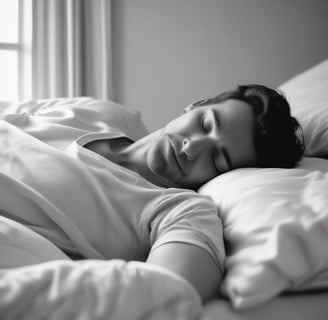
(276, 229)
(60, 121)
(308, 97)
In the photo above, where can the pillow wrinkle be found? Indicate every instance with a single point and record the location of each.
(275, 228)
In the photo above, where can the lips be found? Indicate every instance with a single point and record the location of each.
(174, 153)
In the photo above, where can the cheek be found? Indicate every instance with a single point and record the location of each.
(201, 172)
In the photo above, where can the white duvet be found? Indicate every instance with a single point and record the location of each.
(37, 280)
(91, 289)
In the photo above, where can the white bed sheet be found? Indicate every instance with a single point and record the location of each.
(312, 306)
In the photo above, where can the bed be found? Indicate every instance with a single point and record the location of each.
(275, 227)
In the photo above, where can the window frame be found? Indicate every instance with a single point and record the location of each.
(23, 49)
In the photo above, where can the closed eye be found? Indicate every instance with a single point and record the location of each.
(223, 150)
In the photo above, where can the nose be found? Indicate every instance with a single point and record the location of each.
(198, 145)
(187, 149)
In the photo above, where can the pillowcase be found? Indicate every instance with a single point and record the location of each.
(307, 94)
(275, 224)
(60, 121)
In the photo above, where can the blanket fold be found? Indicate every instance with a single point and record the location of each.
(93, 289)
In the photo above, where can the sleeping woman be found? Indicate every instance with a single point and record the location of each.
(109, 197)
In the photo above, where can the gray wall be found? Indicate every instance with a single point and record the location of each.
(168, 53)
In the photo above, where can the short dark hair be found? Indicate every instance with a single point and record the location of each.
(279, 139)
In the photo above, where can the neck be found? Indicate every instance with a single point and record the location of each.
(134, 157)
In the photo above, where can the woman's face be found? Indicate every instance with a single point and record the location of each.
(203, 143)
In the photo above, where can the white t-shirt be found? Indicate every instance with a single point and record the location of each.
(91, 207)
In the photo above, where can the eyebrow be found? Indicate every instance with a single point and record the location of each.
(223, 149)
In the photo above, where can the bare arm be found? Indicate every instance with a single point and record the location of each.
(192, 263)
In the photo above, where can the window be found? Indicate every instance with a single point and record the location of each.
(15, 35)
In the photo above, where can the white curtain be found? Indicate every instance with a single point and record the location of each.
(71, 48)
